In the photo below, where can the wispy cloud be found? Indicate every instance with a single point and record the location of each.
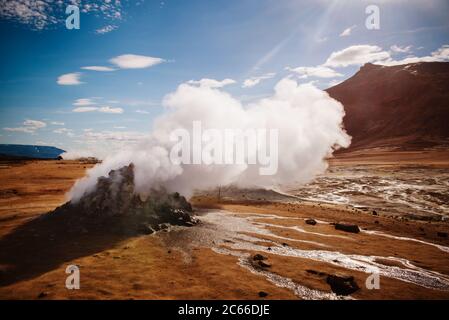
(211, 83)
(69, 79)
(399, 49)
(253, 81)
(142, 111)
(347, 32)
(361, 54)
(68, 132)
(133, 61)
(44, 13)
(356, 55)
(106, 29)
(28, 126)
(315, 72)
(98, 68)
(104, 109)
(84, 102)
(108, 109)
(85, 109)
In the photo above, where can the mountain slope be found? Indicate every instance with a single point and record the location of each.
(404, 106)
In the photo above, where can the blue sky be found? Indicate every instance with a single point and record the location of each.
(260, 41)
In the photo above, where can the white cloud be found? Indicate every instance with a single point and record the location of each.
(114, 135)
(69, 79)
(106, 29)
(253, 81)
(33, 13)
(361, 54)
(68, 132)
(439, 55)
(29, 126)
(316, 72)
(356, 55)
(211, 83)
(347, 31)
(98, 68)
(142, 111)
(57, 123)
(399, 49)
(83, 102)
(133, 61)
(85, 109)
(107, 109)
(40, 14)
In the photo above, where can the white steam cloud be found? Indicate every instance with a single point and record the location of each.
(309, 123)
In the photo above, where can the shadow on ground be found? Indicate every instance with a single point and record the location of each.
(46, 242)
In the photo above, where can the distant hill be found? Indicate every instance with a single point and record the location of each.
(403, 106)
(18, 151)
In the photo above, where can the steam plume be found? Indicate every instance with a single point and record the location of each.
(309, 123)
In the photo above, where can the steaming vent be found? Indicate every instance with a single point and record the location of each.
(115, 206)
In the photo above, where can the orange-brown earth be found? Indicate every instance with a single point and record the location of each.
(191, 263)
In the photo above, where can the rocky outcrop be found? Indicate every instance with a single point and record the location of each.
(115, 206)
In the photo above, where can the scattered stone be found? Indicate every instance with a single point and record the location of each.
(311, 222)
(375, 213)
(347, 227)
(262, 294)
(376, 222)
(342, 285)
(43, 294)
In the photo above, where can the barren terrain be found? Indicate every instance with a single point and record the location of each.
(215, 259)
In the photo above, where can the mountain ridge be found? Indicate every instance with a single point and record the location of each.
(405, 106)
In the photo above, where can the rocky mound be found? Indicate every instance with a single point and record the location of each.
(114, 206)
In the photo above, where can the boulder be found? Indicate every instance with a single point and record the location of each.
(342, 285)
(312, 222)
(347, 227)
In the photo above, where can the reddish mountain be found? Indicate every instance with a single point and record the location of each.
(403, 106)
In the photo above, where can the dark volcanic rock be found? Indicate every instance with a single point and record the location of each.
(311, 222)
(115, 206)
(347, 227)
(342, 285)
(258, 256)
